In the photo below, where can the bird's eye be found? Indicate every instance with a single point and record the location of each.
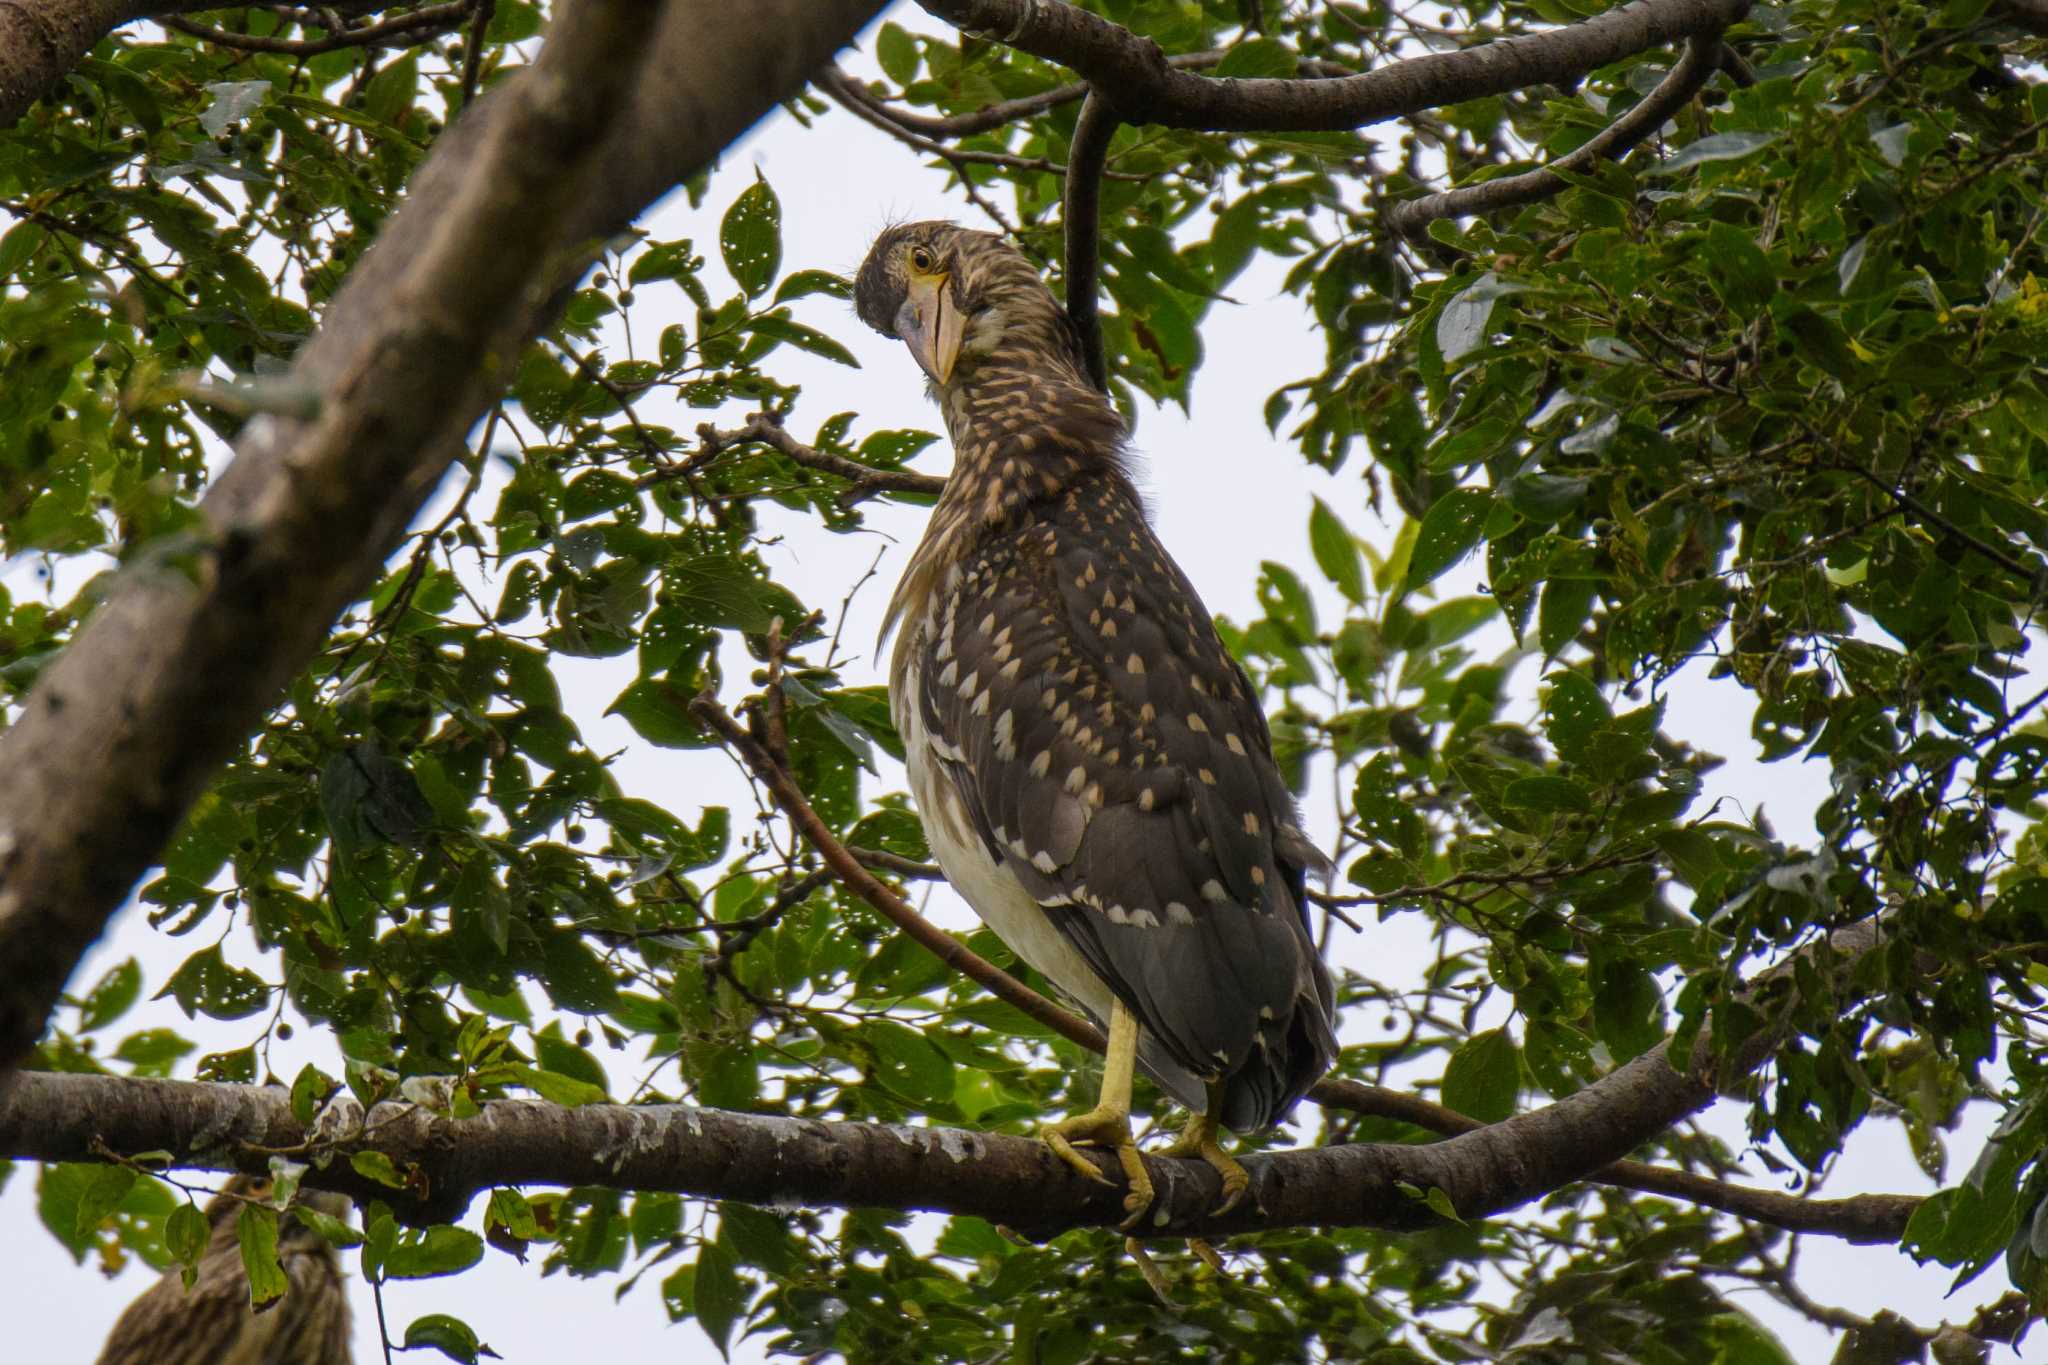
(921, 258)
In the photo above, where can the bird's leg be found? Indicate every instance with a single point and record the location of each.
(1108, 1124)
(1198, 1139)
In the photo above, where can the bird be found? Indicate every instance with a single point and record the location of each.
(213, 1323)
(1091, 765)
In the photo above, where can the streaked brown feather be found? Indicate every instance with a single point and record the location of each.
(212, 1323)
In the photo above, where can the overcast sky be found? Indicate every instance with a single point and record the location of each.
(1225, 496)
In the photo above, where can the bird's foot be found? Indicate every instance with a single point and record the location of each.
(1198, 1139)
(1105, 1126)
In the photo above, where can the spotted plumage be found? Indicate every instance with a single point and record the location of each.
(1092, 767)
(211, 1322)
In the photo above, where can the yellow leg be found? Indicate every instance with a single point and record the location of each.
(1108, 1124)
(1198, 1139)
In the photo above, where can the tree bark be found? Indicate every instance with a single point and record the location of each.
(198, 639)
(771, 1160)
(1134, 76)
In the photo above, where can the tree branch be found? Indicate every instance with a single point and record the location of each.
(715, 1154)
(420, 26)
(195, 642)
(1030, 106)
(1081, 209)
(1136, 77)
(1694, 69)
(864, 481)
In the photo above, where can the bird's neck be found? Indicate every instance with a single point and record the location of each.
(1022, 434)
(1024, 430)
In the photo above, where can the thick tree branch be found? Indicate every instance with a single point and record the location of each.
(172, 672)
(1030, 106)
(1695, 68)
(714, 1154)
(1135, 76)
(1080, 208)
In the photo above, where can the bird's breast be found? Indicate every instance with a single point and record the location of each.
(989, 888)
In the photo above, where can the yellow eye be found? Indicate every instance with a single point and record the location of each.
(921, 258)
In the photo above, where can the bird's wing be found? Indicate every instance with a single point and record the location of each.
(1114, 759)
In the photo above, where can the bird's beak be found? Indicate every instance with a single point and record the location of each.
(930, 324)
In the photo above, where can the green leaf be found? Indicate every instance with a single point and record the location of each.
(1267, 57)
(575, 977)
(439, 1250)
(556, 1088)
(1483, 1077)
(333, 1230)
(1449, 530)
(1562, 612)
(908, 1063)
(110, 996)
(390, 92)
(896, 53)
(1465, 322)
(74, 1198)
(802, 337)
(1738, 270)
(803, 283)
(1336, 552)
(207, 984)
(1716, 147)
(719, 590)
(750, 238)
(1547, 794)
(18, 247)
(186, 1233)
(256, 1227)
(310, 1090)
(378, 1167)
(660, 715)
(718, 1296)
(452, 1337)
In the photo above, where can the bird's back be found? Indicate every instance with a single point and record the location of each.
(1111, 795)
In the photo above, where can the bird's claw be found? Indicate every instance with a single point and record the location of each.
(1198, 1140)
(1111, 1128)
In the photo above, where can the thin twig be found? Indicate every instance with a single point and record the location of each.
(847, 94)
(1093, 130)
(473, 54)
(1920, 509)
(1694, 69)
(866, 481)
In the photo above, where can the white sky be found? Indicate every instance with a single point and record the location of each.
(1225, 496)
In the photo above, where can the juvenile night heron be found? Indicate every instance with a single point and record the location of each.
(212, 1323)
(1092, 767)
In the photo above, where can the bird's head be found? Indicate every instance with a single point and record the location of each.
(959, 299)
